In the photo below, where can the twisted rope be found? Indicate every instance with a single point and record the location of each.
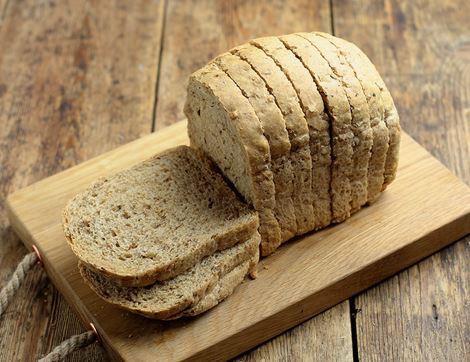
(16, 279)
(70, 345)
(65, 348)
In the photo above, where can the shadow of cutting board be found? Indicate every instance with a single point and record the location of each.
(425, 209)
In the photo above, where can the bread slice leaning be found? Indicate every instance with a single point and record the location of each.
(360, 122)
(163, 300)
(317, 121)
(274, 129)
(156, 219)
(381, 137)
(297, 128)
(337, 107)
(222, 123)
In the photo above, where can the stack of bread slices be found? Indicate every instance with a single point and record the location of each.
(301, 127)
(166, 238)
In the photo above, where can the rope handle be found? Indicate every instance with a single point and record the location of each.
(70, 345)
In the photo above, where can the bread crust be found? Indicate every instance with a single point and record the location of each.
(360, 122)
(337, 106)
(317, 120)
(272, 122)
(223, 289)
(296, 125)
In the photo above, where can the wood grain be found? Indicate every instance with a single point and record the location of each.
(197, 31)
(422, 49)
(319, 338)
(76, 79)
(324, 268)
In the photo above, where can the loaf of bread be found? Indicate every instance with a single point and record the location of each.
(301, 125)
(320, 94)
(157, 219)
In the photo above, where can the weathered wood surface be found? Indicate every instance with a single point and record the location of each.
(76, 79)
(422, 49)
(303, 278)
(197, 31)
(325, 337)
(40, 60)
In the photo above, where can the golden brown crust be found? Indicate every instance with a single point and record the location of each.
(317, 121)
(337, 106)
(360, 123)
(272, 122)
(296, 125)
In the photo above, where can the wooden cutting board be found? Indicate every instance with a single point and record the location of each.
(425, 209)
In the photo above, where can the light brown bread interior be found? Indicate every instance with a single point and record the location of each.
(156, 219)
(222, 123)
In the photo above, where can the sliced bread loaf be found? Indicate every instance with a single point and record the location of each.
(156, 219)
(337, 106)
(382, 133)
(360, 122)
(163, 300)
(274, 129)
(296, 125)
(317, 120)
(222, 122)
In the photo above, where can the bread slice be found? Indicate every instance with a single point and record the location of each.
(274, 129)
(223, 289)
(337, 106)
(222, 122)
(317, 121)
(296, 125)
(163, 300)
(156, 219)
(392, 120)
(382, 134)
(360, 122)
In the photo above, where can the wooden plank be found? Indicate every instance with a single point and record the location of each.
(76, 79)
(324, 268)
(3, 9)
(422, 50)
(322, 338)
(197, 31)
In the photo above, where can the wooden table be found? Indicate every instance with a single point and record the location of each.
(80, 78)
